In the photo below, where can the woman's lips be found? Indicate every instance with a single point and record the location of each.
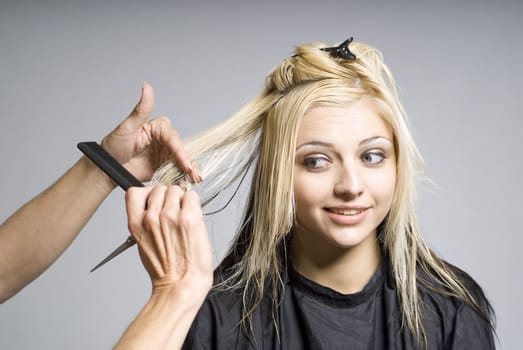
(347, 216)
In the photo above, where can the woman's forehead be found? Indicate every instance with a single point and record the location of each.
(355, 121)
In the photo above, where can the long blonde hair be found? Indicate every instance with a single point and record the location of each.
(263, 133)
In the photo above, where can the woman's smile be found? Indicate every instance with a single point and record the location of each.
(347, 216)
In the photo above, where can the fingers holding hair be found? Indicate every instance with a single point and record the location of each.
(162, 131)
(142, 145)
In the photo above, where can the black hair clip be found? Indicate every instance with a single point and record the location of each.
(341, 51)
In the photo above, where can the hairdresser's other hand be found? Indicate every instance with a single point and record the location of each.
(168, 226)
(142, 145)
(172, 240)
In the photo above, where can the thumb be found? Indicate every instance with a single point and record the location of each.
(143, 108)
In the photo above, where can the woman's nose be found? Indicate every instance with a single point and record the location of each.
(349, 183)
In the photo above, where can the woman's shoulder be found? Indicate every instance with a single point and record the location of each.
(226, 295)
(470, 323)
(431, 285)
(225, 300)
(216, 324)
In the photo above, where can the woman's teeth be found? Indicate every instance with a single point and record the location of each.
(346, 211)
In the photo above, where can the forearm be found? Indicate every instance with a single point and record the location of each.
(38, 233)
(164, 321)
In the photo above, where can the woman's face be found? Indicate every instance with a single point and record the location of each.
(345, 173)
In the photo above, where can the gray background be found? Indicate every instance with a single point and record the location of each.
(70, 71)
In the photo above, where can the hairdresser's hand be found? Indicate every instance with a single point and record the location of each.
(142, 145)
(172, 240)
(168, 226)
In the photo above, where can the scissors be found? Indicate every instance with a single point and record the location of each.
(120, 175)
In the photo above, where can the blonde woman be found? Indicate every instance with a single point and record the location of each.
(329, 254)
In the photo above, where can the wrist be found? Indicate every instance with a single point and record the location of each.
(190, 296)
(96, 176)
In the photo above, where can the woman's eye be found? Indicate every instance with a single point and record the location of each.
(315, 162)
(373, 157)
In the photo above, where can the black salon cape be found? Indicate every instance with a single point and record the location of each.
(312, 316)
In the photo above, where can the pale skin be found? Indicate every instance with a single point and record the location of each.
(344, 184)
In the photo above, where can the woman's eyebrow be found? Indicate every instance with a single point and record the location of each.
(330, 145)
(316, 143)
(374, 138)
